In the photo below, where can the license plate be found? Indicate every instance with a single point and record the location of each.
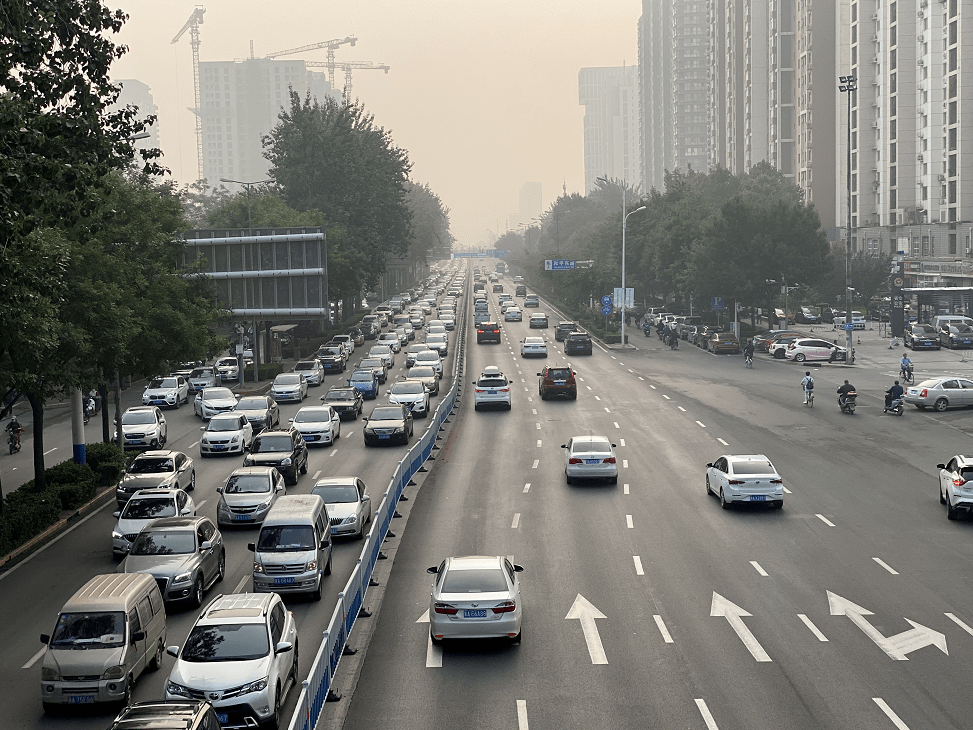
(82, 699)
(758, 497)
(283, 581)
(559, 382)
(384, 436)
(592, 461)
(310, 438)
(158, 402)
(334, 530)
(491, 392)
(242, 518)
(218, 447)
(474, 613)
(223, 718)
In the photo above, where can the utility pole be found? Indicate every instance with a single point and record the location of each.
(849, 85)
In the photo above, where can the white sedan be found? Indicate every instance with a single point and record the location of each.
(289, 386)
(590, 457)
(213, 401)
(226, 433)
(513, 314)
(475, 597)
(744, 478)
(391, 339)
(431, 359)
(169, 391)
(318, 424)
(349, 506)
(533, 347)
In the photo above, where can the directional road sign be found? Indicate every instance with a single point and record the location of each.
(559, 264)
(896, 646)
(629, 297)
(495, 253)
(606, 300)
(606, 309)
(734, 616)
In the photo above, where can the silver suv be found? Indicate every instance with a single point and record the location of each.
(248, 495)
(157, 470)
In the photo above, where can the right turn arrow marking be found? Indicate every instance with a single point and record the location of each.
(897, 646)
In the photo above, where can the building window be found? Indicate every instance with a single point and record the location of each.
(892, 175)
(952, 112)
(892, 56)
(952, 243)
(892, 152)
(892, 197)
(952, 166)
(892, 83)
(952, 138)
(952, 191)
(952, 59)
(892, 129)
(952, 86)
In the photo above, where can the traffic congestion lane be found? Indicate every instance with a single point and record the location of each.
(86, 551)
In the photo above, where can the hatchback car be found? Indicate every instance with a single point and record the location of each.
(318, 424)
(921, 337)
(214, 400)
(744, 478)
(533, 347)
(387, 424)
(562, 329)
(205, 377)
(577, 343)
(261, 410)
(941, 393)
(144, 506)
(282, 449)
(556, 380)
(248, 494)
(531, 300)
(430, 358)
(491, 389)
(348, 502)
(185, 555)
(487, 332)
(156, 470)
(427, 376)
(347, 401)
(312, 371)
(143, 427)
(171, 391)
(811, 349)
(289, 387)
(365, 382)
(590, 457)
(538, 320)
(241, 655)
(412, 394)
(226, 433)
(475, 597)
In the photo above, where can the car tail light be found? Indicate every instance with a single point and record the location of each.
(446, 608)
(573, 460)
(776, 481)
(479, 332)
(736, 481)
(505, 607)
(609, 460)
(958, 481)
(924, 393)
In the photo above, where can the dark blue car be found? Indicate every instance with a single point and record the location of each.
(365, 382)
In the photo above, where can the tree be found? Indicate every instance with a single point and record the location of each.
(430, 223)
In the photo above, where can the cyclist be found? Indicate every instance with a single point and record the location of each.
(748, 353)
(807, 383)
(905, 366)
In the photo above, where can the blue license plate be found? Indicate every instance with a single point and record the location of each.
(283, 581)
(218, 447)
(559, 382)
(82, 699)
(592, 461)
(334, 530)
(491, 392)
(474, 613)
(758, 497)
(158, 402)
(382, 436)
(310, 438)
(242, 518)
(223, 718)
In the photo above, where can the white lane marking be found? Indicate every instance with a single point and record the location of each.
(316, 474)
(194, 445)
(641, 378)
(349, 433)
(756, 566)
(734, 616)
(243, 582)
(526, 487)
(434, 654)
(616, 424)
(707, 715)
(625, 489)
(638, 568)
(960, 623)
(621, 441)
(424, 618)
(522, 715)
(722, 442)
(33, 659)
(896, 720)
(55, 449)
(526, 389)
(666, 397)
(581, 379)
(628, 522)
(701, 424)
(825, 520)
(522, 380)
(200, 504)
(332, 453)
(516, 522)
(814, 629)
(533, 411)
(666, 636)
(607, 411)
(538, 443)
(624, 463)
(651, 386)
(531, 399)
(597, 397)
(681, 409)
(588, 387)
(886, 566)
(536, 462)
(630, 370)
(613, 357)
(538, 426)
(786, 490)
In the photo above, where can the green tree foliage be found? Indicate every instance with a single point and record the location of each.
(430, 223)
(869, 275)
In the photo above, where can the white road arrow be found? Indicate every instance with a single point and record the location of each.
(734, 616)
(896, 646)
(582, 610)
(434, 653)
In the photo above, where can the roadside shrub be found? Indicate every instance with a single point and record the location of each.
(107, 461)
(25, 515)
(74, 484)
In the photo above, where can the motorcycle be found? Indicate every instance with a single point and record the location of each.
(90, 409)
(673, 341)
(847, 404)
(897, 406)
(13, 440)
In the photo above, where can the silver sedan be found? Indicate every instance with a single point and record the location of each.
(590, 457)
(533, 347)
(475, 597)
(349, 505)
(941, 393)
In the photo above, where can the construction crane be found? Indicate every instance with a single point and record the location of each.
(347, 67)
(192, 25)
(329, 45)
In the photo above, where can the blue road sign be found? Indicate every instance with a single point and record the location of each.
(496, 253)
(717, 305)
(849, 326)
(560, 264)
(606, 301)
(606, 309)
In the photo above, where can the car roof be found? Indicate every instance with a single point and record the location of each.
(336, 482)
(474, 562)
(155, 492)
(745, 457)
(591, 439)
(159, 715)
(185, 522)
(139, 409)
(158, 454)
(243, 607)
(253, 470)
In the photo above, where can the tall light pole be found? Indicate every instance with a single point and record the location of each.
(249, 186)
(848, 85)
(624, 224)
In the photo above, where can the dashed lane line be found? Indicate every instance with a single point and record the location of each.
(538, 443)
(624, 489)
(761, 571)
(825, 520)
(681, 409)
(526, 487)
(886, 566)
(638, 568)
(707, 715)
(722, 442)
(522, 715)
(624, 463)
(536, 462)
(666, 636)
(33, 659)
(516, 521)
(700, 424)
(666, 397)
(628, 522)
(896, 720)
(316, 474)
(814, 629)
(616, 424)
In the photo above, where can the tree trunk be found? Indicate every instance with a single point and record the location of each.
(37, 411)
(105, 430)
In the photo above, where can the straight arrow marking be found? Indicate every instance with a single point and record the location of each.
(434, 654)
(897, 646)
(585, 612)
(734, 616)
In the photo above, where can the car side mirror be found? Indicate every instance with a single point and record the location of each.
(324, 543)
(207, 545)
(252, 547)
(219, 490)
(433, 570)
(614, 446)
(290, 420)
(538, 375)
(518, 568)
(202, 428)
(172, 651)
(138, 636)
(564, 446)
(279, 488)
(709, 466)
(118, 514)
(940, 466)
(283, 647)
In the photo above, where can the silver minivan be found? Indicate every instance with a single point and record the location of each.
(107, 634)
(293, 550)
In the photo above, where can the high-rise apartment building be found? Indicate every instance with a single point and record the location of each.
(655, 93)
(139, 94)
(611, 124)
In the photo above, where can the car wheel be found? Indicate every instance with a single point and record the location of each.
(316, 593)
(574, 396)
(951, 512)
(304, 467)
(178, 403)
(127, 697)
(723, 503)
(779, 504)
(708, 490)
(192, 481)
(275, 719)
(942, 497)
(613, 480)
(800, 357)
(221, 568)
(921, 408)
(327, 567)
(779, 354)
(941, 405)
(156, 660)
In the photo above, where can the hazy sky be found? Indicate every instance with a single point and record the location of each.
(482, 95)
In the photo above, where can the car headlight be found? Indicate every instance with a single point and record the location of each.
(312, 565)
(349, 520)
(399, 429)
(182, 578)
(234, 439)
(177, 689)
(50, 674)
(258, 568)
(259, 686)
(221, 506)
(117, 535)
(114, 673)
(265, 504)
(286, 461)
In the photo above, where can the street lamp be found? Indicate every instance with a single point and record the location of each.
(248, 186)
(624, 223)
(848, 85)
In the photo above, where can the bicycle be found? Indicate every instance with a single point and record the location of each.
(810, 399)
(748, 360)
(907, 375)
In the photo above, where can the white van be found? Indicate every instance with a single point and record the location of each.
(953, 319)
(293, 550)
(106, 635)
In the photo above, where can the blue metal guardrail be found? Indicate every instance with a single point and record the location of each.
(315, 689)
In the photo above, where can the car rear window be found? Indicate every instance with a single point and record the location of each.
(559, 374)
(579, 336)
(491, 382)
(481, 580)
(752, 467)
(591, 447)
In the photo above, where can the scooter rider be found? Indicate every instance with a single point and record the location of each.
(893, 393)
(15, 428)
(807, 383)
(843, 391)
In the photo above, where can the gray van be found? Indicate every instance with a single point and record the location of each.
(293, 550)
(119, 622)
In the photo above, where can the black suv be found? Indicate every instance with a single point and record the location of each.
(487, 332)
(347, 401)
(283, 449)
(332, 358)
(562, 329)
(577, 343)
(167, 715)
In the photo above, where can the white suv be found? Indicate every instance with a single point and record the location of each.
(491, 388)
(172, 391)
(956, 485)
(241, 656)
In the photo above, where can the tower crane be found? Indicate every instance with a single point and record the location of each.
(331, 46)
(192, 25)
(347, 67)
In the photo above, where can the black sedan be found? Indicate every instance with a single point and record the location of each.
(387, 424)
(332, 358)
(347, 401)
(922, 337)
(956, 336)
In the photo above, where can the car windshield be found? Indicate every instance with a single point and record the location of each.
(591, 447)
(138, 418)
(163, 383)
(201, 373)
(285, 538)
(227, 362)
(97, 629)
(923, 329)
(247, 484)
(251, 404)
(379, 351)
(329, 351)
(407, 388)
(752, 466)
(480, 580)
(422, 372)
(306, 365)
(964, 330)
(224, 424)
(288, 379)
(164, 542)
(534, 341)
(272, 444)
(340, 395)
(151, 465)
(337, 494)
(372, 363)
(149, 508)
(386, 414)
(312, 415)
(226, 643)
(217, 394)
